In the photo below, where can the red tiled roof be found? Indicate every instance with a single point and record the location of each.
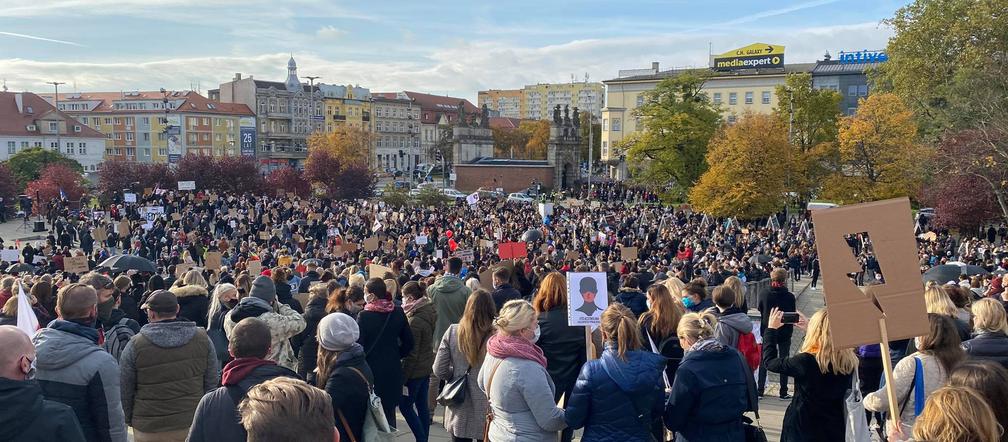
(194, 102)
(504, 123)
(435, 105)
(15, 123)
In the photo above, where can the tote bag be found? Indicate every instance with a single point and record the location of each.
(376, 426)
(857, 422)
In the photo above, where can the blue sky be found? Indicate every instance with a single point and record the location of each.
(436, 46)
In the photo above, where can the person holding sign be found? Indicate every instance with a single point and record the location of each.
(822, 373)
(515, 380)
(712, 386)
(563, 345)
(621, 394)
(919, 374)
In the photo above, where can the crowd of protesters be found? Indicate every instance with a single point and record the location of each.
(254, 302)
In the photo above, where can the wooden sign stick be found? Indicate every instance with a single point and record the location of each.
(589, 345)
(887, 370)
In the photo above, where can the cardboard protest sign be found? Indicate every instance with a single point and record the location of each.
(265, 236)
(378, 271)
(148, 191)
(123, 228)
(371, 244)
(512, 250)
(76, 264)
(99, 234)
(628, 254)
(854, 313)
(619, 268)
(486, 244)
(213, 261)
(486, 279)
(587, 299)
(175, 216)
(466, 255)
(285, 260)
(573, 255)
(10, 255)
(254, 268)
(182, 268)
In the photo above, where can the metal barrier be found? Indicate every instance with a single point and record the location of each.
(753, 290)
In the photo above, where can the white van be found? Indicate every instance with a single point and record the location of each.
(819, 206)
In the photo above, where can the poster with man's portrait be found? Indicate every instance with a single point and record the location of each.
(587, 299)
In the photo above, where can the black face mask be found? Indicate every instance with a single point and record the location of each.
(231, 304)
(105, 309)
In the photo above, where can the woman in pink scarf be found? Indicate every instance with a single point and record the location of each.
(515, 380)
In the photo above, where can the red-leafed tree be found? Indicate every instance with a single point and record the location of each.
(53, 178)
(198, 168)
(339, 181)
(980, 155)
(962, 202)
(238, 174)
(114, 175)
(354, 182)
(287, 179)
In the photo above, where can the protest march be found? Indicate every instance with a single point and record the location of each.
(188, 315)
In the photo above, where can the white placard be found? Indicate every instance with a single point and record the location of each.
(129, 197)
(473, 198)
(150, 214)
(588, 298)
(421, 240)
(545, 209)
(10, 255)
(186, 185)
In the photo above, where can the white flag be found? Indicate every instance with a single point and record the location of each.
(26, 320)
(473, 198)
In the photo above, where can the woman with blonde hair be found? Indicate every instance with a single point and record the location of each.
(675, 287)
(658, 328)
(626, 377)
(938, 301)
(563, 345)
(461, 353)
(193, 297)
(989, 379)
(990, 340)
(225, 298)
(712, 388)
(822, 375)
(734, 283)
(956, 414)
(516, 382)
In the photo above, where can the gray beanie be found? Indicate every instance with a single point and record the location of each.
(263, 288)
(337, 332)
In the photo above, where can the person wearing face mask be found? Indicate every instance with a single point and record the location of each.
(516, 382)
(74, 370)
(503, 292)
(225, 298)
(105, 289)
(694, 298)
(387, 339)
(283, 321)
(313, 313)
(27, 416)
(563, 345)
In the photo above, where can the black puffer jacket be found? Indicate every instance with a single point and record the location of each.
(633, 299)
(27, 417)
(308, 356)
(348, 391)
(564, 347)
(990, 345)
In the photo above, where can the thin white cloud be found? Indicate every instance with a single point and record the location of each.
(749, 18)
(35, 37)
(329, 33)
(459, 69)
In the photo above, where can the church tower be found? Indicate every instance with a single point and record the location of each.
(292, 83)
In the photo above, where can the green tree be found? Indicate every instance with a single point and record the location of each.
(677, 121)
(810, 117)
(942, 48)
(27, 164)
(749, 161)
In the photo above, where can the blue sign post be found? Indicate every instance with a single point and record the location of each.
(248, 141)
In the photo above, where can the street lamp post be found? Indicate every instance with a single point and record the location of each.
(56, 85)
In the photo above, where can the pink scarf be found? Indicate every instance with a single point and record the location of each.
(411, 306)
(380, 306)
(503, 346)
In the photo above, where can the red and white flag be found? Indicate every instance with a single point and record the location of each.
(26, 320)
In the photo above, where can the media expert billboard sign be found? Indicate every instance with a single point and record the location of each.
(248, 136)
(754, 56)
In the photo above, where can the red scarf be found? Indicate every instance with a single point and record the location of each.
(239, 368)
(503, 346)
(380, 306)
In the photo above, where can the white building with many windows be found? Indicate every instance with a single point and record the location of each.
(27, 121)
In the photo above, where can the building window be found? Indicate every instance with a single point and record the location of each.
(732, 98)
(748, 97)
(766, 97)
(731, 119)
(605, 124)
(53, 126)
(11, 147)
(862, 90)
(717, 98)
(129, 136)
(640, 100)
(146, 120)
(851, 110)
(69, 149)
(616, 124)
(852, 90)
(117, 120)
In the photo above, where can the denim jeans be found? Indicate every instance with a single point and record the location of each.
(414, 408)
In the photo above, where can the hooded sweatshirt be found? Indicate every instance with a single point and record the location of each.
(27, 417)
(449, 295)
(616, 399)
(74, 370)
(217, 418)
(173, 353)
(284, 323)
(732, 323)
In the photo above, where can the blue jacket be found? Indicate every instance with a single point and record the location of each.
(616, 400)
(633, 299)
(709, 395)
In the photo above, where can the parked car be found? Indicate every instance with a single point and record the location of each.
(520, 197)
(452, 193)
(486, 193)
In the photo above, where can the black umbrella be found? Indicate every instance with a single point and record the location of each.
(129, 262)
(20, 268)
(760, 259)
(531, 235)
(970, 270)
(943, 273)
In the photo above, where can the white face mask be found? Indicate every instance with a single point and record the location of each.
(535, 335)
(648, 302)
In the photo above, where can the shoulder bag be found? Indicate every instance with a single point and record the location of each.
(454, 392)
(489, 413)
(857, 422)
(376, 426)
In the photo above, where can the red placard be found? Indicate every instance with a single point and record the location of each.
(512, 250)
